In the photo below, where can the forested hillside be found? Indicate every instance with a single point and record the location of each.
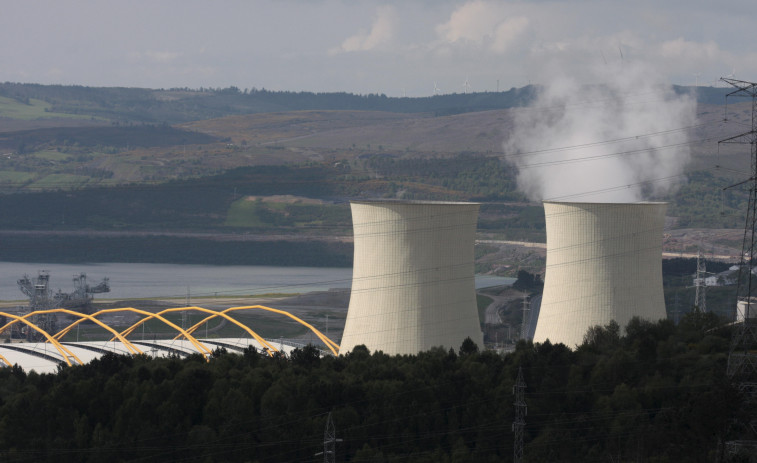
(654, 393)
(91, 161)
(184, 104)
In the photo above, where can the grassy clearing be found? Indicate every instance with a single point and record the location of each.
(8, 176)
(61, 181)
(52, 155)
(36, 109)
(243, 213)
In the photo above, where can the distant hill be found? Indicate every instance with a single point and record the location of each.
(113, 137)
(183, 105)
(92, 160)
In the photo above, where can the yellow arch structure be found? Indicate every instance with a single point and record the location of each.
(255, 335)
(149, 315)
(334, 347)
(65, 353)
(186, 334)
(57, 336)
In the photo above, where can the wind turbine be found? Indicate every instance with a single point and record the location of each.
(436, 89)
(466, 86)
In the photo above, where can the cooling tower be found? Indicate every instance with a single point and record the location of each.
(604, 262)
(412, 279)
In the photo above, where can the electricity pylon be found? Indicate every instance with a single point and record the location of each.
(329, 442)
(519, 423)
(742, 355)
(700, 282)
(525, 327)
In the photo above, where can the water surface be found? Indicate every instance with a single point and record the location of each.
(131, 281)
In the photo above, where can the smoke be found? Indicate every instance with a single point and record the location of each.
(621, 141)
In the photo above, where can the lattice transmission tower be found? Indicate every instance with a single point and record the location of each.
(742, 356)
(519, 423)
(525, 327)
(329, 442)
(700, 282)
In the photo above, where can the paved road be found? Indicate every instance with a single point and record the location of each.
(491, 316)
(665, 255)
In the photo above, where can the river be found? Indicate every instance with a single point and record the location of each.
(131, 281)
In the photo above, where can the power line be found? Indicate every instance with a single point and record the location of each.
(742, 356)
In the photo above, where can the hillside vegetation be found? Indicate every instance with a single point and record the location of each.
(183, 104)
(97, 160)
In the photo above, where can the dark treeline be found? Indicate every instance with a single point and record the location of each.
(678, 266)
(204, 203)
(145, 105)
(114, 137)
(656, 393)
(179, 204)
(180, 105)
(156, 249)
(481, 178)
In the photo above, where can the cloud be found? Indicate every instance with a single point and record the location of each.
(382, 32)
(508, 32)
(484, 24)
(161, 56)
(688, 50)
(154, 56)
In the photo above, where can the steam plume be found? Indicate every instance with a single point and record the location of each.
(600, 143)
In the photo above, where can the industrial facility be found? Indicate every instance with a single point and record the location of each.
(41, 297)
(413, 276)
(57, 350)
(604, 262)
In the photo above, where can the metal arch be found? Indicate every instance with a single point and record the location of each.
(65, 353)
(333, 347)
(5, 360)
(214, 313)
(204, 351)
(60, 334)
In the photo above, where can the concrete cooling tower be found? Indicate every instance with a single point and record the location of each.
(412, 280)
(604, 262)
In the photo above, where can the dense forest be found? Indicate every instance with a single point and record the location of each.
(160, 249)
(184, 104)
(656, 392)
(112, 137)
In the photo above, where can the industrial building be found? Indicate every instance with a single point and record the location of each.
(604, 262)
(42, 357)
(46, 357)
(413, 276)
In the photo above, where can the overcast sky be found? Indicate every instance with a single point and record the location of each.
(364, 46)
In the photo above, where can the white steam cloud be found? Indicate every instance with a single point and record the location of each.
(619, 141)
(382, 31)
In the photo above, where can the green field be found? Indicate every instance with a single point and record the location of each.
(15, 178)
(243, 213)
(64, 181)
(36, 109)
(52, 155)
